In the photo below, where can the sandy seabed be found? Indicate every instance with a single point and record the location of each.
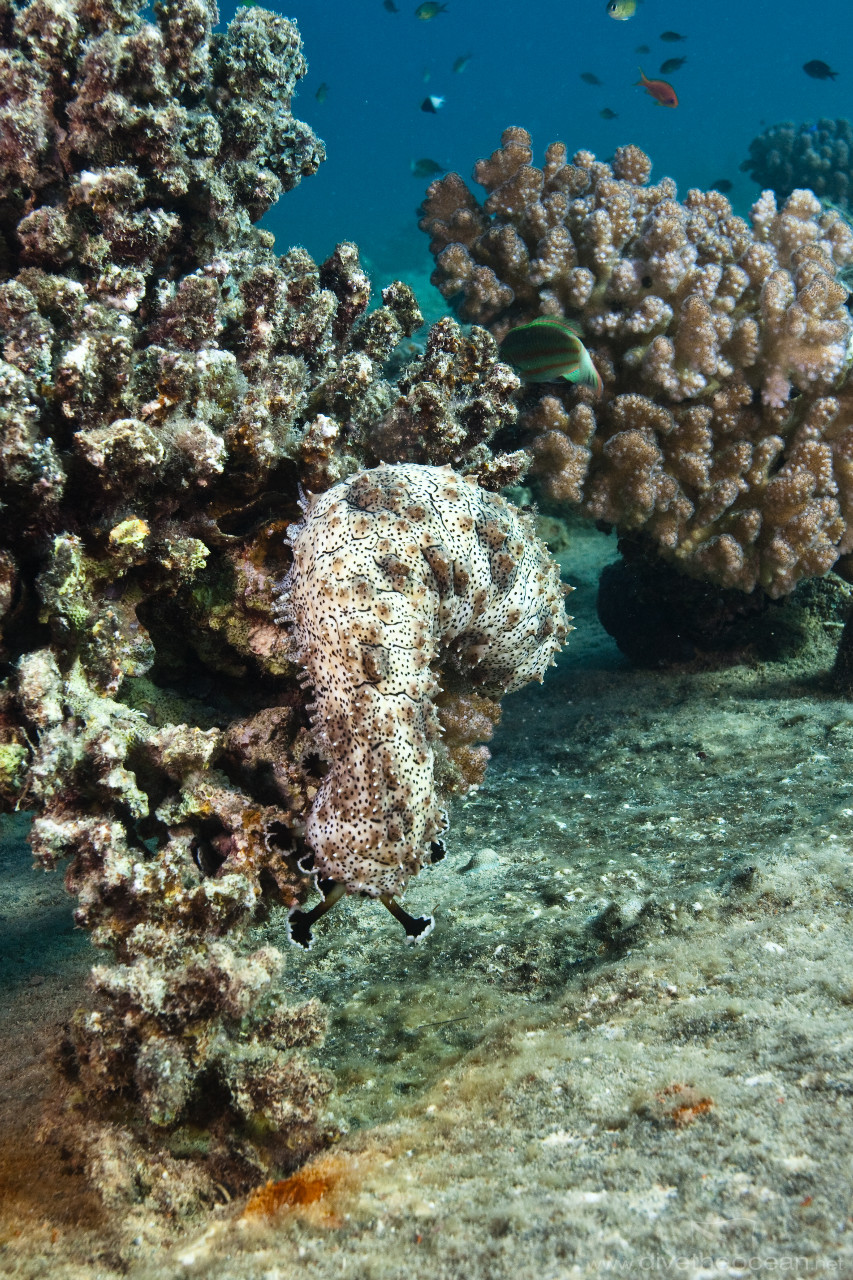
(627, 1047)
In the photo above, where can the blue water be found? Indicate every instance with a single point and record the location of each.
(743, 72)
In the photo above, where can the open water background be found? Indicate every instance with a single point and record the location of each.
(743, 73)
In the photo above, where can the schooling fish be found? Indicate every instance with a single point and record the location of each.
(461, 63)
(429, 9)
(659, 90)
(671, 36)
(607, 114)
(819, 70)
(322, 93)
(621, 10)
(672, 64)
(432, 104)
(427, 168)
(589, 77)
(547, 349)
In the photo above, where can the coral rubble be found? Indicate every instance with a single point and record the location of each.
(397, 573)
(725, 431)
(167, 382)
(816, 156)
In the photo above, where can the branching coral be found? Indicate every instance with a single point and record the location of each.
(816, 156)
(725, 431)
(167, 381)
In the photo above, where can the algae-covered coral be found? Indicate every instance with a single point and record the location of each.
(167, 382)
(725, 432)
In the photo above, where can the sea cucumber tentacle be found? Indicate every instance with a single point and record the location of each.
(398, 572)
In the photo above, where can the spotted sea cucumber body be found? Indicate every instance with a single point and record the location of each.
(397, 572)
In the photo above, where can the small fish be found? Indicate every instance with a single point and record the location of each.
(390, 6)
(432, 104)
(427, 75)
(429, 9)
(607, 114)
(589, 77)
(461, 63)
(722, 184)
(642, 48)
(672, 64)
(659, 90)
(547, 349)
(426, 168)
(621, 10)
(819, 70)
(671, 36)
(322, 93)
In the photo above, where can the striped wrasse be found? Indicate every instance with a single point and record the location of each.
(547, 349)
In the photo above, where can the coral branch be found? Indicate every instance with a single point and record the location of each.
(726, 425)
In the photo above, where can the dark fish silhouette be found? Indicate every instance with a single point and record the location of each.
(322, 93)
(819, 70)
(642, 48)
(432, 104)
(461, 63)
(607, 114)
(722, 184)
(429, 9)
(671, 36)
(390, 6)
(427, 168)
(589, 77)
(672, 64)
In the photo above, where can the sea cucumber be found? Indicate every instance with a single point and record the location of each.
(399, 574)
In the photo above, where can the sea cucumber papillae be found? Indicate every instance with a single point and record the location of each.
(400, 572)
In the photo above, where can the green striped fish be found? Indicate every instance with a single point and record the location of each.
(550, 348)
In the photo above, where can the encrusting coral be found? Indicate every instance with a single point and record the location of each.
(724, 434)
(816, 156)
(399, 573)
(167, 382)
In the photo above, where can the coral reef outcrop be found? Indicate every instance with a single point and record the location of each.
(167, 383)
(399, 573)
(816, 156)
(725, 430)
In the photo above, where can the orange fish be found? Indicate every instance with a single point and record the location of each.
(660, 90)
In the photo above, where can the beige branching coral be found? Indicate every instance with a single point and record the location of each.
(725, 432)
